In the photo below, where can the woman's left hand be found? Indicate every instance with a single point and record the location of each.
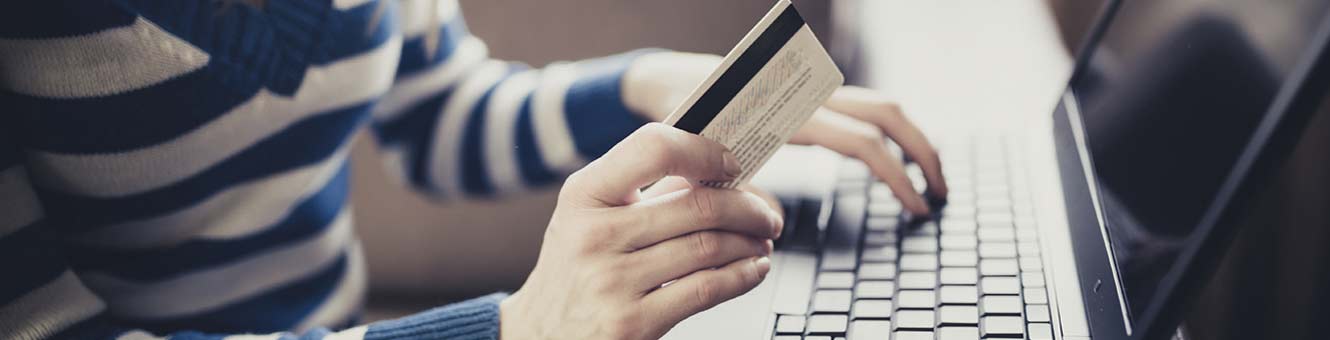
(853, 122)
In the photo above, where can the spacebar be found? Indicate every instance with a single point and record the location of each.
(794, 282)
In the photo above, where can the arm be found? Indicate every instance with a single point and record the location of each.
(457, 122)
(609, 252)
(41, 297)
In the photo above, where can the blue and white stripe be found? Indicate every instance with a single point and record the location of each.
(168, 169)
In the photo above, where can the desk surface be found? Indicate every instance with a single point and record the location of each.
(967, 64)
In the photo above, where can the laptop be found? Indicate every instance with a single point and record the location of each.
(1099, 223)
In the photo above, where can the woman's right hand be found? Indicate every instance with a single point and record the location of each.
(619, 263)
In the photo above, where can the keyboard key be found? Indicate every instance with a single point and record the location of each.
(1000, 218)
(917, 280)
(998, 267)
(1005, 223)
(952, 241)
(1001, 304)
(1000, 285)
(959, 258)
(787, 337)
(916, 299)
(820, 337)
(965, 212)
(1041, 331)
(872, 309)
(922, 228)
(884, 208)
(886, 253)
(1032, 279)
(838, 259)
(879, 191)
(877, 271)
(1031, 264)
(875, 289)
(1027, 241)
(958, 315)
(881, 223)
(1035, 296)
(996, 235)
(912, 335)
(1027, 235)
(1027, 249)
(914, 319)
(958, 295)
(790, 324)
(995, 204)
(919, 262)
(919, 244)
(960, 193)
(957, 225)
(831, 301)
(827, 324)
(851, 171)
(958, 276)
(997, 250)
(844, 232)
(879, 238)
(958, 333)
(869, 330)
(992, 186)
(835, 280)
(1002, 326)
(1037, 313)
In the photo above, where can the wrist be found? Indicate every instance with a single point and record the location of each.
(642, 88)
(507, 327)
(514, 322)
(657, 82)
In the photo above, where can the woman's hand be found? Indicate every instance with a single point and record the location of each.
(853, 122)
(622, 263)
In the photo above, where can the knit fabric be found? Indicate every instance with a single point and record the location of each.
(179, 168)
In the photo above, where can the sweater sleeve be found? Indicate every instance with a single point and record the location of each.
(475, 319)
(459, 123)
(42, 298)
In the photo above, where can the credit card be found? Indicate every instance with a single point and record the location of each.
(764, 90)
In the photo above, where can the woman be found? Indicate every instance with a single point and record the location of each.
(177, 169)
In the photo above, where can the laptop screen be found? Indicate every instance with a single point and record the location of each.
(1169, 97)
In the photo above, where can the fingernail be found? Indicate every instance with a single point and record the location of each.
(763, 265)
(768, 248)
(732, 167)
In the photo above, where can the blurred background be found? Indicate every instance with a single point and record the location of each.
(993, 65)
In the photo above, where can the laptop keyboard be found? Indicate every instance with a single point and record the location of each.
(972, 271)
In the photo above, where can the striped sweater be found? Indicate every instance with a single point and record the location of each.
(178, 168)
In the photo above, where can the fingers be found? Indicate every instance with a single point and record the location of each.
(695, 209)
(706, 288)
(690, 253)
(771, 200)
(650, 153)
(854, 138)
(666, 185)
(869, 106)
